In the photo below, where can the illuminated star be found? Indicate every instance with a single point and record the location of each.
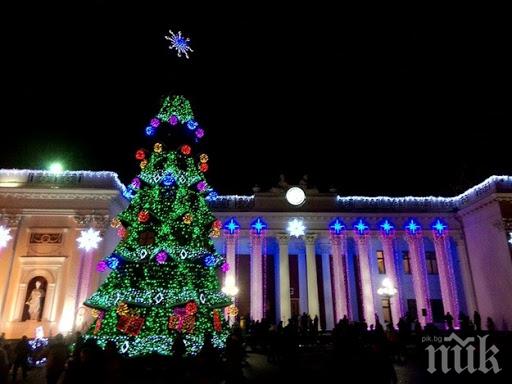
(439, 227)
(179, 43)
(387, 227)
(510, 240)
(258, 225)
(412, 227)
(336, 226)
(231, 226)
(296, 228)
(4, 236)
(361, 227)
(89, 239)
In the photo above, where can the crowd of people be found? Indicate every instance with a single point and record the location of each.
(350, 346)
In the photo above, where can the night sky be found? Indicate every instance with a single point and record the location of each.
(368, 102)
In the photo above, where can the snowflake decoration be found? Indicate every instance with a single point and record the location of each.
(4, 236)
(89, 239)
(179, 43)
(510, 240)
(296, 228)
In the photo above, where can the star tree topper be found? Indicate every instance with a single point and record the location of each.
(179, 43)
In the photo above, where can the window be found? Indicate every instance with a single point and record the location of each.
(406, 262)
(380, 262)
(430, 258)
(437, 310)
(412, 309)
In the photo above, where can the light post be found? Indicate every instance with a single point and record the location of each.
(387, 290)
(231, 289)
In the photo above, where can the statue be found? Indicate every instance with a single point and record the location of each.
(282, 185)
(303, 183)
(35, 301)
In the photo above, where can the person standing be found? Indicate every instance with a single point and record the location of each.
(449, 320)
(477, 320)
(21, 351)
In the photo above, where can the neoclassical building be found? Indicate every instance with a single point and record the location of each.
(290, 251)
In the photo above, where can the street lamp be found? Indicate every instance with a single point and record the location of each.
(231, 289)
(387, 290)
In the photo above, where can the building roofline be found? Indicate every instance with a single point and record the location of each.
(108, 179)
(19, 178)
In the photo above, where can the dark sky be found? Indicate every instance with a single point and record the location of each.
(372, 102)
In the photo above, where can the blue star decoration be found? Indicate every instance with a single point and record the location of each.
(231, 225)
(258, 225)
(361, 227)
(387, 227)
(439, 227)
(336, 226)
(412, 227)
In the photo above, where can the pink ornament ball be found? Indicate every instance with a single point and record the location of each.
(155, 122)
(199, 133)
(161, 257)
(101, 266)
(201, 186)
(173, 120)
(225, 267)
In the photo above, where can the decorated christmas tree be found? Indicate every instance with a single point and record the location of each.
(164, 271)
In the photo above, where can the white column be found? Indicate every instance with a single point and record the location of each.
(231, 256)
(7, 258)
(391, 274)
(446, 276)
(256, 277)
(303, 281)
(326, 275)
(419, 277)
(86, 258)
(313, 303)
(366, 278)
(284, 279)
(338, 251)
(467, 280)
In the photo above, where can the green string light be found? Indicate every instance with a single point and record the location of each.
(152, 290)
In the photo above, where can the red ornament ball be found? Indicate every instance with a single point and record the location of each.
(143, 216)
(217, 224)
(191, 308)
(186, 150)
(140, 154)
(122, 232)
(203, 167)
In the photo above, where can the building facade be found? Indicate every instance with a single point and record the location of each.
(289, 252)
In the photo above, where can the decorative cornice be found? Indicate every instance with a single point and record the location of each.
(97, 221)
(310, 238)
(82, 195)
(11, 220)
(503, 225)
(282, 238)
